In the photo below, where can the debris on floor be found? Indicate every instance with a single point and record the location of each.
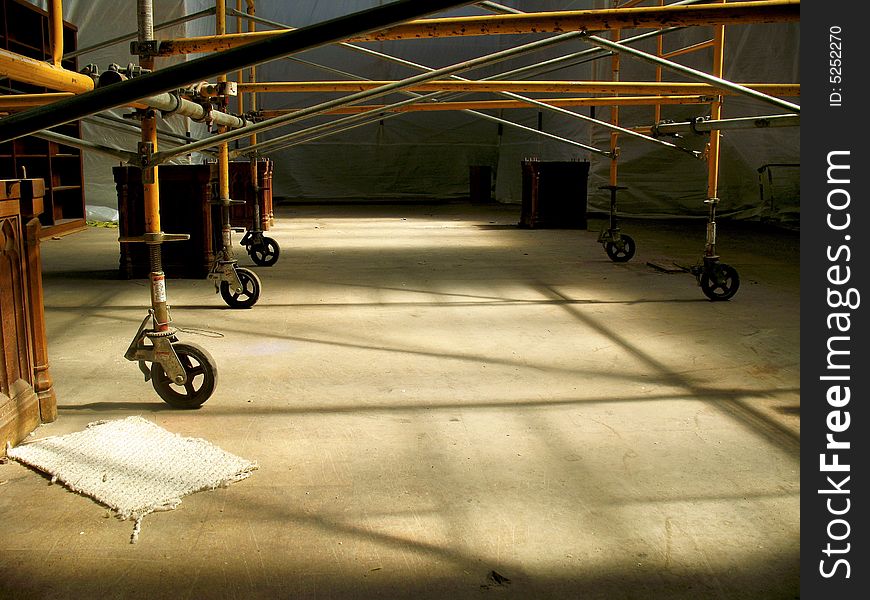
(495, 579)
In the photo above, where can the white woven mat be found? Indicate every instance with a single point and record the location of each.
(133, 466)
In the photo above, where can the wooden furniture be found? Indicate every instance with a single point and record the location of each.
(554, 194)
(480, 184)
(242, 215)
(185, 192)
(27, 397)
(24, 29)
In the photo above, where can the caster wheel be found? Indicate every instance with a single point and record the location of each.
(201, 372)
(250, 290)
(265, 254)
(621, 251)
(719, 282)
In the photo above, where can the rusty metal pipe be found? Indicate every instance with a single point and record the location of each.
(583, 87)
(762, 11)
(508, 104)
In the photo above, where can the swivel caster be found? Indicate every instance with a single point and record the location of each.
(621, 249)
(266, 253)
(247, 296)
(200, 373)
(719, 281)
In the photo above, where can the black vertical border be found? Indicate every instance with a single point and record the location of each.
(825, 128)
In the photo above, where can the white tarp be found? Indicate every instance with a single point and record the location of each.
(428, 154)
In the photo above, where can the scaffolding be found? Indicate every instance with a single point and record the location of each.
(186, 89)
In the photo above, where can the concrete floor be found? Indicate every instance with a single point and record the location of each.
(433, 394)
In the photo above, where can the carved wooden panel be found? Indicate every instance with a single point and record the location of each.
(19, 406)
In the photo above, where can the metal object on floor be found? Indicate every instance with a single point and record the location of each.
(184, 375)
(619, 246)
(718, 280)
(239, 287)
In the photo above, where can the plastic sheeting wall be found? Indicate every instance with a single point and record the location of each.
(426, 155)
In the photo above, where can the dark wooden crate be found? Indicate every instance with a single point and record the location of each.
(554, 194)
(242, 215)
(185, 192)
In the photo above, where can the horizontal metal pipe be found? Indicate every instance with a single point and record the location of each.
(511, 104)
(690, 49)
(281, 143)
(16, 102)
(36, 72)
(765, 11)
(132, 128)
(132, 36)
(583, 87)
(177, 76)
(705, 126)
(134, 124)
(762, 11)
(169, 103)
(123, 155)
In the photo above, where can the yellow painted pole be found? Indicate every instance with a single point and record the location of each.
(505, 104)
(713, 148)
(152, 195)
(252, 28)
(240, 74)
(259, 212)
(614, 116)
(55, 17)
(223, 149)
(660, 48)
(13, 102)
(151, 198)
(688, 49)
(568, 87)
(21, 68)
(715, 114)
(760, 11)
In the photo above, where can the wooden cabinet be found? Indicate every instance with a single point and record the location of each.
(554, 194)
(24, 29)
(185, 192)
(26, 394)
(242, 215)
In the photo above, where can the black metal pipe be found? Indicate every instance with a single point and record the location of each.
(176, 76)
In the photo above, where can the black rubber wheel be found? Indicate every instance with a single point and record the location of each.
(201, 372)
(622, 251)
(719, 282)
(265, 254)
(250, 290)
